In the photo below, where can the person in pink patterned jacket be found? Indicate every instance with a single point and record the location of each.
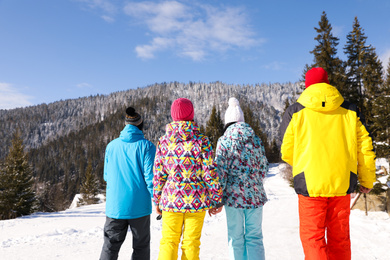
(185, 182)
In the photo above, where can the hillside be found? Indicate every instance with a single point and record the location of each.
(43, 123)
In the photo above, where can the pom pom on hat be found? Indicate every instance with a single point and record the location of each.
(182, 110)
(132, 117)
(234, 112)
(316, 75)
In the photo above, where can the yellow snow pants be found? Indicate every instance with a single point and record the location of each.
(174, 225)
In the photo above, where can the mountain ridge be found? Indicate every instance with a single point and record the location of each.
(46, 122)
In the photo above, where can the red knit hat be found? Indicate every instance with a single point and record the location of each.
(316, 75)
(182, 110)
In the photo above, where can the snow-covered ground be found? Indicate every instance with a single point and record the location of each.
(77, 234)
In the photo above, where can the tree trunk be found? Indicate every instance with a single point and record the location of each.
(388, 200)
(365, 202)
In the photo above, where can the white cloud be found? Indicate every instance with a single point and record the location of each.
(193, 31)
(105, 6)
(10, 97)
(276, 65)
(146, 51)
(165, 17)
(84, 85)
(108, 19)
(338, 31)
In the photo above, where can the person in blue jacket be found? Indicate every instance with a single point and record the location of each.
(128, 172)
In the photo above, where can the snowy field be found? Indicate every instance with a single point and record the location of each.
(77, 234)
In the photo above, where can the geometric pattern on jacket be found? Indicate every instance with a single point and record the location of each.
(184, 171)
(242, 167)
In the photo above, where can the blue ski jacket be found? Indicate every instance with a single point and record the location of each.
(128, 172)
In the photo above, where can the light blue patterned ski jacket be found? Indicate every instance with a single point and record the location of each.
(241, 165)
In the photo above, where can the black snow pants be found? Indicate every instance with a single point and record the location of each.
(115, 231)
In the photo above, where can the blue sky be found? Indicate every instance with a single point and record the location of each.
(53, 50)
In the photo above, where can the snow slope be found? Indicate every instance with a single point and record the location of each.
(77, 234)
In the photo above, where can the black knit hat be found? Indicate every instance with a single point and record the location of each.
(132, 118)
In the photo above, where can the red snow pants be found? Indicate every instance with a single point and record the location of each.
(324, 227)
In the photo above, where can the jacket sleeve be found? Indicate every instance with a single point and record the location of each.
(148, 166)
(210, 177)
(287, 137)
(160, 176)
(221, 162)
(366, 156)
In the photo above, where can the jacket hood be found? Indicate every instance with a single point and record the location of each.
(131, 134)
(240, 131)
(181, 130)
(321, 97)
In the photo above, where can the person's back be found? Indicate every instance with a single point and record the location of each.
(185, 183)
(128, 194)
(329, 149)
(128, 172)
(183, 152)
(325, 149)
(242, 165)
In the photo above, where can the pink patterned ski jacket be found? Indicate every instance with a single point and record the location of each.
(184, 171)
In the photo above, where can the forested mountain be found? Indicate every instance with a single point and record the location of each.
(63, 137)
(46, 122)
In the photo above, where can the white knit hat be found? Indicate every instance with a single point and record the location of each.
(234, 112)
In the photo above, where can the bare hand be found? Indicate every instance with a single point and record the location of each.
(215, 211)
(364, 189)
(212, 212)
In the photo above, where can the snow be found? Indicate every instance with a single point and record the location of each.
(78, 233)
(384, 179)
(77, 198)
(382, 162)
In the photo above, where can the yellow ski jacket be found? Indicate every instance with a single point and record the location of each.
(327, 144)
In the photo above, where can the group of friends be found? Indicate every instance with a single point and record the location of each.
(324, 139)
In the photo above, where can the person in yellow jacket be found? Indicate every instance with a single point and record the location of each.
(330, 150)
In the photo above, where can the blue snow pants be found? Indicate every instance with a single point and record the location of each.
(245, 233)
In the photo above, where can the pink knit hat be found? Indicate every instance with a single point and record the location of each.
(316, 75)
(182, 110)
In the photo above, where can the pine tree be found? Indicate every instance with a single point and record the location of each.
(373, 84)
(17, 197)
(275, 152)
(214, 127)
(364, 70)
(89, 188)
(45, 195)
(325, 54)
(381, 120)
(202, 129)
(286, 105)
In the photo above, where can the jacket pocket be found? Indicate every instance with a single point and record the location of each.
(300, 184)
(352, 183)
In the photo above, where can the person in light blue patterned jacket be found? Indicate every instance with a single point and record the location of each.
(242, 166)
